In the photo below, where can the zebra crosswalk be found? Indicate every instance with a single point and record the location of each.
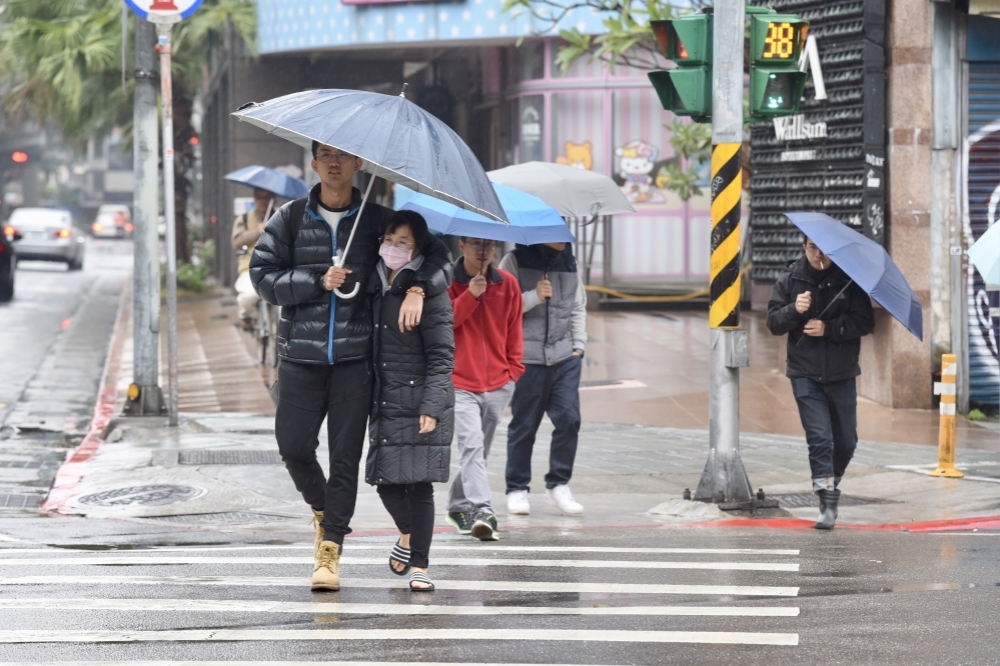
(493, 603)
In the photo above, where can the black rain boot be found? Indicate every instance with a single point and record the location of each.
(828, 500)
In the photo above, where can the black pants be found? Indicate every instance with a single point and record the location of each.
(342, 394)
(555, 390)
(829, 414)
(412, 509)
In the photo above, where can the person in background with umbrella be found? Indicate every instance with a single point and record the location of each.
(488, 349)
(825, 315)
(555, 338)
(325, 340)
(246, 230)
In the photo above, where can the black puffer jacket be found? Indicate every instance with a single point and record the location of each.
(412, 377)
(289, 271)
(834, 356)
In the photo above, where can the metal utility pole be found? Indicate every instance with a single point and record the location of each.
(163, 46)
(145, 396)
(724, 479)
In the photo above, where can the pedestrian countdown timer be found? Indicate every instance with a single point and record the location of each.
(776, 84)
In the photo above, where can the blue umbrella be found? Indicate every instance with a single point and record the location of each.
(532, 221)
(985, 255)
(867, 264)
(272, 180)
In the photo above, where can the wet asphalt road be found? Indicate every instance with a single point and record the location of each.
(863, 597)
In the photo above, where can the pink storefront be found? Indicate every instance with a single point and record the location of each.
(612, 123)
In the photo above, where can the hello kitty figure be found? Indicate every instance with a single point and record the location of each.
(636, 161)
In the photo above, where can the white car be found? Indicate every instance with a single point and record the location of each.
(47, 234)
(113, 221)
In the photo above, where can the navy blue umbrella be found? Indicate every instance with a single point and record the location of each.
(272, 180)
(867, 264)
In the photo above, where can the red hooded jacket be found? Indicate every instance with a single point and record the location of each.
(489, 339)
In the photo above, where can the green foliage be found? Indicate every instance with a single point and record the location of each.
(61, 59)
(193, 278)
(976, 415)
(692, 142)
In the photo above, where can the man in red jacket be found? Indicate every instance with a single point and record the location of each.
(488, 349)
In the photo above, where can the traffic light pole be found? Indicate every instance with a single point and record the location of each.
(145, 396)
(724, 479)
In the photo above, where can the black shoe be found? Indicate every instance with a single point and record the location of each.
(461, 521)
(485, 527)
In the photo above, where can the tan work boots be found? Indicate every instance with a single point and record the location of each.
(326, 572)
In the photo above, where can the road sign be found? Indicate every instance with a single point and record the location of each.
(165, 11)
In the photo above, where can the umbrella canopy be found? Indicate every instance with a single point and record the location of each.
(272, 180)
(572, 191)
(867, 264)
(985, 256)
(532, 221)
(397, 140)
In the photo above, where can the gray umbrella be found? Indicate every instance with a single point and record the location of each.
(397, 140)
(571, 191)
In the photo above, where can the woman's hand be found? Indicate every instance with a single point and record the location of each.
(409, 313)
(427, 424)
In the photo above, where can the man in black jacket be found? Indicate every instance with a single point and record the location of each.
(325, 341)
(825, 315)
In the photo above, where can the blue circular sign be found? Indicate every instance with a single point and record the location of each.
(179, 8)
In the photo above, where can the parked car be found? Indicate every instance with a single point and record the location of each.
(113, 221)
(48, 234)
(8, 262)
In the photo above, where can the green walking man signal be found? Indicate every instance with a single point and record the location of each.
(776, 84)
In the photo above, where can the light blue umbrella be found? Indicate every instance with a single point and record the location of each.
(272, 180)
(532, 221)
(985, 256)
(867, 264)
(397, 140)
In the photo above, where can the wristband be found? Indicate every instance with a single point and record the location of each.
(416, 290)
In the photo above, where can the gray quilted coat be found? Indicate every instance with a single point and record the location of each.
(412, 377)
(287, 269)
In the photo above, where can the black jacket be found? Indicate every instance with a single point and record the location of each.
(289, 271)
(412, 377)
(833, 357)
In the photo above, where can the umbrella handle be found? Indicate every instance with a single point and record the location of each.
(341, 258)
(832, 301)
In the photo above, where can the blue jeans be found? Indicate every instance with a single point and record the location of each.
(829, 414)
(552, 389)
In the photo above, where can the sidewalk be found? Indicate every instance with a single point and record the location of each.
(648, 372)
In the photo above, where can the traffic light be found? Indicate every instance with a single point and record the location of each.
(686, 90)
(776, 84)
(19, 157)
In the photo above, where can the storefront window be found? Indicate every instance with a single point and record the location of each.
(578, 130)
(531, 60)
(531, 124)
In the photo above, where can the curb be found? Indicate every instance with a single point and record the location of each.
(951, 525)
(71, 472)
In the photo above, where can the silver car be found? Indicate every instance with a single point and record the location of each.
(48, 234)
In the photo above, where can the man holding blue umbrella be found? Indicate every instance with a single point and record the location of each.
(825, 314)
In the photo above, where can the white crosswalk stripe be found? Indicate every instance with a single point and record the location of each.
(557, 598)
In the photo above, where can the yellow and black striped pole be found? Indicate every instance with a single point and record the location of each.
(724, 269)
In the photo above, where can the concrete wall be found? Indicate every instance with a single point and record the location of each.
(896, 365)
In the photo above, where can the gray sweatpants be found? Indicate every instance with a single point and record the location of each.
(476, 418)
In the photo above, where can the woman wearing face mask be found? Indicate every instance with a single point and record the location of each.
(412, 420)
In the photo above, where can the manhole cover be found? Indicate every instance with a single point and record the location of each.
(230, 457)
(809, 500)
(151, 495)
(20, 501)
(225, 517)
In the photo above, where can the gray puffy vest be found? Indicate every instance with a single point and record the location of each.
(548, 327)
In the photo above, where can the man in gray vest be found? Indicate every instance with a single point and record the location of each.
(555, 338)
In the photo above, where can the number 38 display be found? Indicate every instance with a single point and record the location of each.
(776, 84)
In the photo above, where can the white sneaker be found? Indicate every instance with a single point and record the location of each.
(517, 502)
(562, 497)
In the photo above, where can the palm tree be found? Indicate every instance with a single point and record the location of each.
(61, 61)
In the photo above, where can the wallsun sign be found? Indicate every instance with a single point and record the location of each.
(795, 128)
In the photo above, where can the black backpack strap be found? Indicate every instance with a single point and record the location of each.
(298, 210)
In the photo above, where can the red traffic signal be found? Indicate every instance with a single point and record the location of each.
(19, 157)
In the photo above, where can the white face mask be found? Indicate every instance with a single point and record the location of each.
(394, 257)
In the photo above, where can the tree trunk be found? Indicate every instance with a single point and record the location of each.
(183, 160)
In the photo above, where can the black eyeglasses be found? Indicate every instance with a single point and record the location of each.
(339, 156)
(479, 246)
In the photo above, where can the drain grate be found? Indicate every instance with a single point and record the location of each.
(229, 457)
(29, 464)
(808, 500)
(151, 495)
(225, 518)
(600, 382)
(20, 501)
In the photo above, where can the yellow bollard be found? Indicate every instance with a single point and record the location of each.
(946, 432)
